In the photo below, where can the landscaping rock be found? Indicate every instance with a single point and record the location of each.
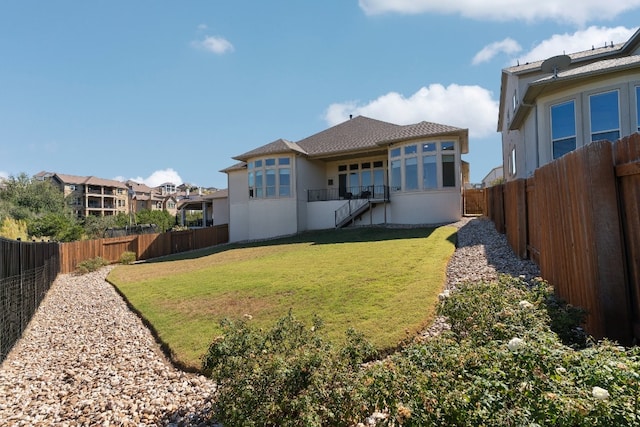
(86, 359)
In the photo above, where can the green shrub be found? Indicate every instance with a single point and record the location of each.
(500, 365)
(289, 375)
(127, 258)
(90, 265)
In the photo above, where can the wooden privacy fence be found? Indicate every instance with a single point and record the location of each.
(578, 218)
(473, 200)
(145, 246)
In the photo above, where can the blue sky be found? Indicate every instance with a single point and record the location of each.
(169, 91)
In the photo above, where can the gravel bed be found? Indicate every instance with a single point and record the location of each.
(86, 359)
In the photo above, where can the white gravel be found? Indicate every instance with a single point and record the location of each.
(86, 359)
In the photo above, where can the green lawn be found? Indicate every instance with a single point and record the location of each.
(382, 282)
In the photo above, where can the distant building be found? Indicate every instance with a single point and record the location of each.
(161, 198)
(496, 174)
(90, 196)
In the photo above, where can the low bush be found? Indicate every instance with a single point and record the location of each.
(128, 258)
(289, 375)
(500, 365)
(90, 265)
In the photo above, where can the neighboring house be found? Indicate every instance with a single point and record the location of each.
(214, 207)
(495, 175)
(549, 108)
(88, 195)
(362, 171)
(154, 199)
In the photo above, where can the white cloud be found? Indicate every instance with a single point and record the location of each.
(469, 107)
(156, 178)
(577, 12)
(214, 44)
(579, 41)
(202, 27)
(508, 46)
(4, 175)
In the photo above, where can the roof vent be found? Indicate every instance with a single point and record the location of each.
(555, 64)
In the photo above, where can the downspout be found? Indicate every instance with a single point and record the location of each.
(535, 109)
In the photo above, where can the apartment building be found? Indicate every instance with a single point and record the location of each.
(88, 195)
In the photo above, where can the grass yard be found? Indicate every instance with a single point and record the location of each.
(382, 282)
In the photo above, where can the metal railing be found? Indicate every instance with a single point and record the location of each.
(350, 209)
(368, 192)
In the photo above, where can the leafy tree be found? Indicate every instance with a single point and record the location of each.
(56, 226)
(94, 226)
(30, 196)
(163, 219)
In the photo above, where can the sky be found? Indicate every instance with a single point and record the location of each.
(159, 91)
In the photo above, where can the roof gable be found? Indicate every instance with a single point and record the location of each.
(279, 146)
(352, 135)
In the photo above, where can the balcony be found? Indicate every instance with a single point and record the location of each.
(368, 192)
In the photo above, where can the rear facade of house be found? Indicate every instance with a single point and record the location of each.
(360, 172)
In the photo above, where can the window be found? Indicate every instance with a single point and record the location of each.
(411, 173)
(259, 190)
(429, 172)
(396, 175)
(269, 177)
(284, 178)
(605, 116)
(448, 170)
(563, 128)
(72, 187)
(512, 162)
(171, 204)
(271, 183)
(426, 166)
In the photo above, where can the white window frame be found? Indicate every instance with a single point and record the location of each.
(438, 153)
(590, 117)
(267, 165)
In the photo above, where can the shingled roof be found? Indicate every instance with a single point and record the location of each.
(352, 135)
(357, 134)
(279, 146)
(89, 180)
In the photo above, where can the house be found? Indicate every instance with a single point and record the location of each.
(154, 199)
(88, 195)
(360, 172)
(214, 207)
(495, 175)
(551, 107)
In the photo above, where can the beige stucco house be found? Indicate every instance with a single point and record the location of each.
(553, 106)
(360, 172)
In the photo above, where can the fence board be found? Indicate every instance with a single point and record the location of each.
(473, 200)
(533, 222)
(515, 217)
(627, 151)
(145, 246)
(582, 227)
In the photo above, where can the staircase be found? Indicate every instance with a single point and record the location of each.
(350, 210)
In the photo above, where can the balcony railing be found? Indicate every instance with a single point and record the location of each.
(368, 192)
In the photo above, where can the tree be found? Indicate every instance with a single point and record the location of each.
(163, 219)
(57, 226)
(41, 205)
(33, 196)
